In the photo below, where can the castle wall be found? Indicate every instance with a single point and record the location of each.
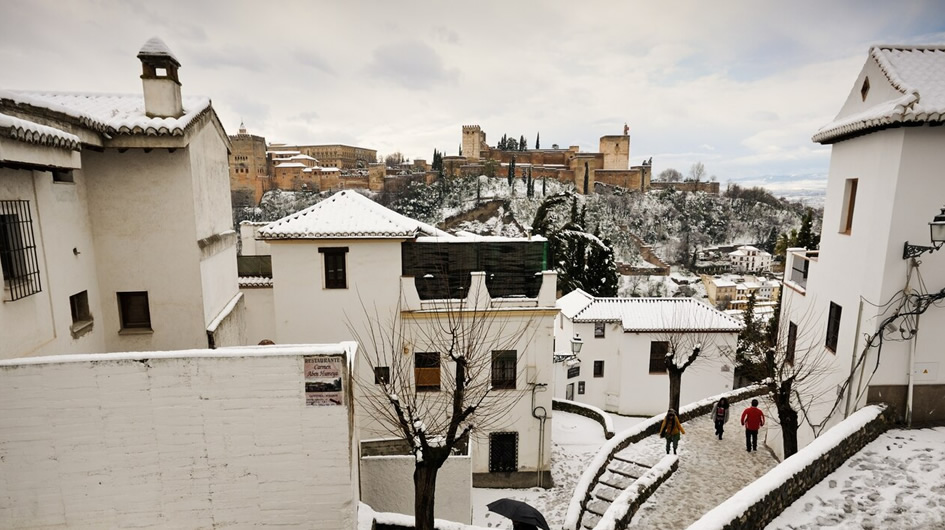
(707, 187)
(616, 151)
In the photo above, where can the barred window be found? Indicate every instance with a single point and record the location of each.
(504, 369)
(18, 251)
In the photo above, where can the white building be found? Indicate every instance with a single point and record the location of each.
(884, 187)
(750, 259)
(115, 221)
(621, 366)
(347, 263)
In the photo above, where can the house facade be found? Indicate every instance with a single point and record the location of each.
(347, 266)
(115, 221)
(750, 259)
(851, 300)
(621, 365)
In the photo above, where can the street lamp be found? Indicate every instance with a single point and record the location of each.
(576, 344)
(937, 234)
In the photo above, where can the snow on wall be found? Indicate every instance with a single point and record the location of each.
(387, 485)
(174, 440)
(588, 411)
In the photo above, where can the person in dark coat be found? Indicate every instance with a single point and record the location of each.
(720, 416)
(671, 429)
(753, 419)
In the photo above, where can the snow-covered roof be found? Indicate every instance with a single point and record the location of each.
(35, 133)
(111, 113)
(291, 164)
(914, 92)
(283, 152)
(155, 47)
(658, 314)
(723, 283)
(330, 169)
(347, 215)
(302, 157)
(255, 281)
(573, 303)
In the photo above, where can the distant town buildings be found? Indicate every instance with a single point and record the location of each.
(732, 291)
(750, 259)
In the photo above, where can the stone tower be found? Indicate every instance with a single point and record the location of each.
(160, 81)
(473, 141)
(616, 150)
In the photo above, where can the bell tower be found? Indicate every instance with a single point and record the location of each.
(159, 79)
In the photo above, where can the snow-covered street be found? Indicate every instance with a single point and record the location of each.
(898, 481)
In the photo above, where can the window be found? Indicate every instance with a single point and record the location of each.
(503, 369)
(18, 251)
(503, 452)
(791, 343)
(598, 330)
(658, 351)
(133, 311)
(381, 375)
(81, 316)
(598, 368)
(574, 371)
(335, 272)
(849, 201)
(833, 327)
(865, 89)
(62, 175)
(580, 387)
(426, 371)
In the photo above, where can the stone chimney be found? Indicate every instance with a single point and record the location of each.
(159, 78)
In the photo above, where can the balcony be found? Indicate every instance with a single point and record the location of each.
(798, 267)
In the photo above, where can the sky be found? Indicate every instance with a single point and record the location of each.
(740, 86)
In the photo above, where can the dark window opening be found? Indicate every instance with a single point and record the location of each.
(598, 368)
(336, 276)
(580, 387)
(81, 316)
(833, 327)
(503, 452)
(426, 371)
(63, 175)
(791, 343)
(381, 375)
(598, 330)
(133, 310)
(18, 251)
(865, 89)
(658, 351)
(504, 369)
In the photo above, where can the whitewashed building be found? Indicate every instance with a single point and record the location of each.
(885, 186)
(347, 263)
(621, 365)
(115, 222)
(750, 259)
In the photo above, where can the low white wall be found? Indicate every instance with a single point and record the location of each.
(387, 486)
(190, 439)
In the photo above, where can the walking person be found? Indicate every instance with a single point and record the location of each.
(671, 429)
(753, 419)
(720, 415)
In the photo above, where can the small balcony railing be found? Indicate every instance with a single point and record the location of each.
(800, 267)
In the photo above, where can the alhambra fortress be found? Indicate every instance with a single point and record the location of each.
(257, 167)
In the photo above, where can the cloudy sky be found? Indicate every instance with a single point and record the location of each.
(738, 85)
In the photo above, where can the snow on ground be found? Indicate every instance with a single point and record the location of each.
(898, 481)
(696, 487)
(575, 440)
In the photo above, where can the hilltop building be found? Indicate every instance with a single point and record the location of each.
(750, 259)
(884, 190)
(115, 220)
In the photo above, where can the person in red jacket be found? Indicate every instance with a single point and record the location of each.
(752, 419)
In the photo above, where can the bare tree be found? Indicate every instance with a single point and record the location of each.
(437, 379)
(670, 175)
(394, 159)
(689, 333)
(697, 171)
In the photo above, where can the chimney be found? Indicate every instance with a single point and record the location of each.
(159, 78)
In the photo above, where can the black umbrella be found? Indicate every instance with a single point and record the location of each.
(519, 512)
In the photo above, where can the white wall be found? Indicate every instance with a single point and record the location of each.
(173, 440)
(40, 323)
(142, 215)
(260, 315)
(250, 246)
(387, 486)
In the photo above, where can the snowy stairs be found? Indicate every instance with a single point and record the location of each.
(620, 474)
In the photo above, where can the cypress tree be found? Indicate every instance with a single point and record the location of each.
(537, 141)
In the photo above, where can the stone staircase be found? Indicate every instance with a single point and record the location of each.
(621, 473)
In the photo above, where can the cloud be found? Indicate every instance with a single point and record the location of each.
(313, 60)
(238, 57)
(410, 64)
(444, 34)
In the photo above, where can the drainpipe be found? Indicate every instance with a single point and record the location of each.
(856, 337)
(915, 339)
(541, 414)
